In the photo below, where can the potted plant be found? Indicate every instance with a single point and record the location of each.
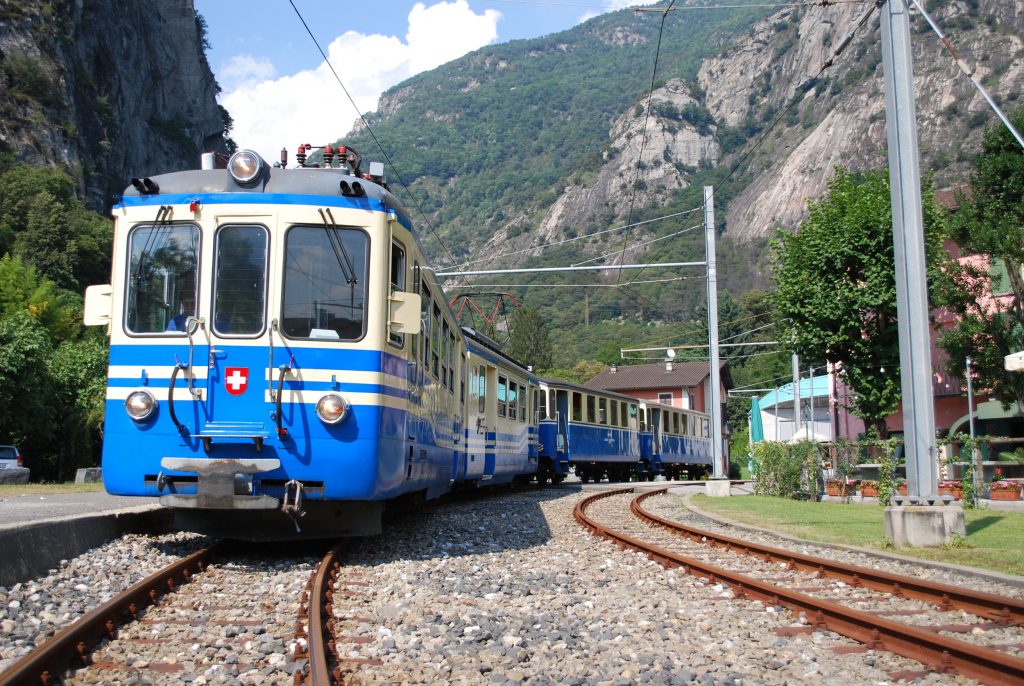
(902, 488)
(1001, 489)
(840, 487)
(952, 488)
(869, 489)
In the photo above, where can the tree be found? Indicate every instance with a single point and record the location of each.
(836, 287)
(528, 341)
(25, 391)
(990, 221)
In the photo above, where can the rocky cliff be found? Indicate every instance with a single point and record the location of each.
(106, 89)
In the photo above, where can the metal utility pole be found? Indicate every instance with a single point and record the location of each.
(979, 476)
(908, 241)
(796, 395)
(721, 470)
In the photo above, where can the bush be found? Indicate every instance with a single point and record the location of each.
(785, 471)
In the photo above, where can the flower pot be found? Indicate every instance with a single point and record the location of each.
(955, 493)
(841, 490)
(869, 491)
(1003, 494)
(903, 490)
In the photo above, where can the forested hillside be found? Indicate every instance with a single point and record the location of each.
(560, 141)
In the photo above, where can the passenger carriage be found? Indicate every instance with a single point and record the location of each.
(677, 442)
(596, 433)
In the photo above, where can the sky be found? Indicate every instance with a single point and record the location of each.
(280, 92)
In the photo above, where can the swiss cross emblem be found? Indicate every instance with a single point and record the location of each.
(236, 379)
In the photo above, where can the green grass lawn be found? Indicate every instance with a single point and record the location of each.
(995, 540)
(8, 490)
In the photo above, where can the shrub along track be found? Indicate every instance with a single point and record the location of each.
(143, 628)
(938, 652)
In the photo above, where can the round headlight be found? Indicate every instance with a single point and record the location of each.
(245, 166)
(332, 408)
(140, 405)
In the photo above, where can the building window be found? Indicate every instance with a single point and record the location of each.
(665, 398)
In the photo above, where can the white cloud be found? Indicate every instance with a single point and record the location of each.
(310, 106)
(614, 6)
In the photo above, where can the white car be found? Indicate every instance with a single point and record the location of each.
(10, 458)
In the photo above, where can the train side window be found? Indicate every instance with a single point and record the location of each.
(163, 278)
(445, 381)
(602, 410)
(462, 380)
(524, 402)
(615, 413)
(706, 426)
(591, 411)
(537, 407)
(643, 417)
(483, 388)
(577, 407)
(502, 395)
(675, 423)
(397, 285)
(451, 362)
(541, 403)
(435, 343)
(513, 400)
(325, 283)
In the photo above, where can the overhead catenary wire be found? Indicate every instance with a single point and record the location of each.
(966, 69)
(369, 129)
(643, 140)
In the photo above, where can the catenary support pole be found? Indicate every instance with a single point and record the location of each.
(721, 470)
(796, 395)
(908, 241)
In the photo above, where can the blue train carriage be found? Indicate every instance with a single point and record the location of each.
(269, 374)
(501, 420)
(676, 441)
(597, 433)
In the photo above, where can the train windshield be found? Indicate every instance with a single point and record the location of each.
(241, 281)
(162, 278)
(325, 283)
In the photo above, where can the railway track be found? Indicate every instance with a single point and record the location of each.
(909, 617)
(188, 616)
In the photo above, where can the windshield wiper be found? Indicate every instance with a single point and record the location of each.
(338, 246)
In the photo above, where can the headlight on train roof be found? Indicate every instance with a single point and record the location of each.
(332, 408)
(140, 405)
(245, 166)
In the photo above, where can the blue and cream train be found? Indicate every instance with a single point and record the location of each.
(283, 362)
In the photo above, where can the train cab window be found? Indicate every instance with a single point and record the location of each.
(502, 395)
(325, 283)
(577, 407)
(591, 410)
(540, 401)
(163, 278)
(240, 284)
(397, 285)
(435, 343)
(615, 413)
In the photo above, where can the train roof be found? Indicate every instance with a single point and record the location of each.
(551, 381)
(275, 184)
(484, 342)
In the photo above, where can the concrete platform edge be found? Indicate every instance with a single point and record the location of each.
(33, 550)
(1009, 579)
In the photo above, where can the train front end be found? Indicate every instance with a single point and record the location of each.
(251, 383)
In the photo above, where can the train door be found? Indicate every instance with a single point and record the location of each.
(476, 420)
(562, 437)
(235, 334)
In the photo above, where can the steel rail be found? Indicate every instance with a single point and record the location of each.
(47, 663)
(986, 605)
(938, 653)
(321, 639)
